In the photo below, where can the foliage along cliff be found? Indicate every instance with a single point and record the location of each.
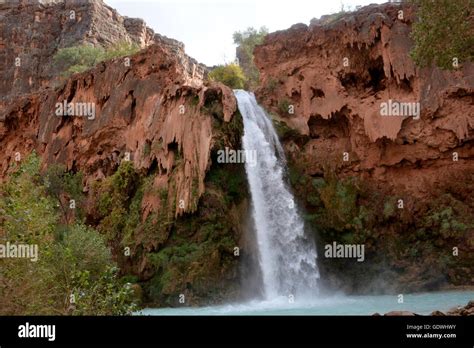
(402, 186)
(147, 154)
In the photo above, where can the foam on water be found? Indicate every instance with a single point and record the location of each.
(421, 303)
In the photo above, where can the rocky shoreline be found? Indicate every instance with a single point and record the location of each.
(467, 310)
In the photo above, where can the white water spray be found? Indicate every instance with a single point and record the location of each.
(287, 256)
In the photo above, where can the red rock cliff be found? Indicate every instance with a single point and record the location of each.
(337, 105)
(155, 112)
(32, 31)
(349, 165)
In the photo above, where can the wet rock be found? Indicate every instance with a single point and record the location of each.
(326, 84)
(467, 310)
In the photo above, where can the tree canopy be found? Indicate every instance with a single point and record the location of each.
(231, 75)
(77, 59)
(246, 41)
(443, 32)
(73, 271)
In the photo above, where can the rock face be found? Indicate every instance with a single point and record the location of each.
(145, 113)
(325, 84)
(464, 311)
(32, 31)
(306, 67)
(146, 136)
(138, 108)
(152, 126)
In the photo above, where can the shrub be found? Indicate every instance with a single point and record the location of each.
(104, 295)
(26, 213)
(389, 208)
(63, 186)
(230, 75)
(80, 265)
(72, 259)
(272, 85)
(77, 59)
(340, 201)
(283, 106)
(120, 49)
(444, 30)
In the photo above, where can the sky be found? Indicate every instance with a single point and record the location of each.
(206, 26)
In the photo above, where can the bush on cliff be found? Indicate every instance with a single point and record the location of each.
(230, 75)
(27, 214)
(120, 49)
(77, 59)
(444, 32)
(66, 189)
(72, 272)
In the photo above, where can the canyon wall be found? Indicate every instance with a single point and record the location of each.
(324, 85)
(144, 136)
(173, 216)
(33, 31)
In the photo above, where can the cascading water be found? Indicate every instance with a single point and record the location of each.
(287, 256)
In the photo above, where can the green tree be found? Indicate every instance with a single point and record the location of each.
(444, 31)
(80, 58)
(231, 75)
(64, 186)
(81, 265)
(246, 42)
(72, 260)
(121, 49)
(26, 213)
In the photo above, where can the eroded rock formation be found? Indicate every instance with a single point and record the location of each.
(181, 213)
(145, 142)
(32, 31)
(324, 84)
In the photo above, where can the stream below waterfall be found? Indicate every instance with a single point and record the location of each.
(421, 303)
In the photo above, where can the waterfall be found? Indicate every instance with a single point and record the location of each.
(287, 257)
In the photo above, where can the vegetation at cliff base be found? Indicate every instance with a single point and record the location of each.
(230, 75)
(413, 247)
(184, 254)
(72, 271)
(443, 32)
(80, 58)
